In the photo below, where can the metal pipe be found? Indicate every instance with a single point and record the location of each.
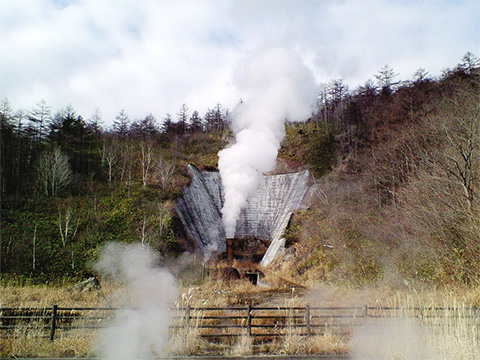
(230, 246)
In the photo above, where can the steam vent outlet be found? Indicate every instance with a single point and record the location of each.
(230, 248)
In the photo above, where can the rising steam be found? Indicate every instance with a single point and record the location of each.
(140, 330)
(280, 88)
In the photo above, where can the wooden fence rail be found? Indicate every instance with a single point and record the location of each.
(218, 322)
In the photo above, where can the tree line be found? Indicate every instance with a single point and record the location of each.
(68, 184)
(45, 152)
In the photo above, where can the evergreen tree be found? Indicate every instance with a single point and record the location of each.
(182, 119)
(121, 124)
(69, 132)
(215, 119)
(145, 128)
(7, 145)
(196, 123)
(469, 63)
(40, 118)
(421, 75)
(95, 123)
(385, 79)
(167, 124)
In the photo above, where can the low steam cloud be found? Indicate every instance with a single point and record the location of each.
(140, 331)
(280, 87)
(396, 338)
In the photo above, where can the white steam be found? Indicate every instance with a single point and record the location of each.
(141, 331)
(396, 338)
(281, 88)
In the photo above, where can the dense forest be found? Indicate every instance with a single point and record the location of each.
(395, 165)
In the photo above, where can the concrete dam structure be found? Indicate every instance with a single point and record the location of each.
(265, 216)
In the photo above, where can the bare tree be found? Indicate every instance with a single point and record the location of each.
(442, 196)
(147, 160)
(110, 158)
(65, 227)
(34, 250)
(165, 171)
(125, 161)
(163, 218)
(157, 219)
(463, 160)
(454, 157)
(54, 172)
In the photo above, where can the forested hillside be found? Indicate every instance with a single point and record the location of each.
(396, 164)
(401, 205)
(68, 185)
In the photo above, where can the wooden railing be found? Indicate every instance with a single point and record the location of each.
(217, 322)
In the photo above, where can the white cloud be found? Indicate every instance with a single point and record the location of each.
(404, 34)
(153, 56)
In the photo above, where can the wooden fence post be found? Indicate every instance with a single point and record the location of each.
(187, 316)
(53, 322)
(365, 311)
(249, 320)
(307, 319)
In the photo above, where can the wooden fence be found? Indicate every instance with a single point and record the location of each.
(217, 322)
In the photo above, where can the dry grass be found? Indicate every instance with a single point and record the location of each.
(242, 347)
(32, 342)
(326, 344)
(186, 342)
(23, 342)
(295, 342)
(219, 292)
(46, 296)
(426, 333)
(454, 336)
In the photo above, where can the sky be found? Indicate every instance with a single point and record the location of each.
(152, 56)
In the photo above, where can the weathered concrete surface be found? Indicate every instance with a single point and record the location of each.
(275, 248)
(265, 216)
(199, 208)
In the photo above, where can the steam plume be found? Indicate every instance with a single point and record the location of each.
(141, 331)
(280, 88)
(397, 338)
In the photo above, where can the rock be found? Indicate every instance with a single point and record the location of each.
(289, 253)
(86, 285)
